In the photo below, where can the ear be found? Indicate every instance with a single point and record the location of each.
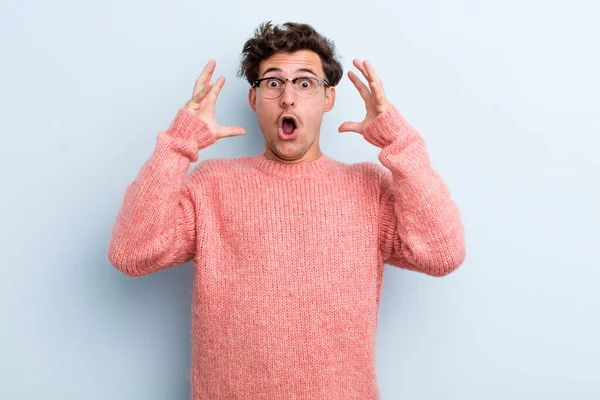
(329, 98)
(252, 98)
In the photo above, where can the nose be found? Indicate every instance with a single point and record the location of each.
(288, 97)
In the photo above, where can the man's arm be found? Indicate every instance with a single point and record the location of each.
(420, 225)
(156, 225)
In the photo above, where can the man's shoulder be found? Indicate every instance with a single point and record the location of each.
(368, 169)
(227, 168)
(220, 168)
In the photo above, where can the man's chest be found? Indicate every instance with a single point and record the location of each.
(298, 218)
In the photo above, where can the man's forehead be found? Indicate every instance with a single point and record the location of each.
(287, 63)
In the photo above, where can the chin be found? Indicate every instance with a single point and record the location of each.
(289, 151)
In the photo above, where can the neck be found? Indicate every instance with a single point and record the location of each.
(310, 155)
(313, 168)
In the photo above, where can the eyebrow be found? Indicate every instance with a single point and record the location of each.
(271, 69)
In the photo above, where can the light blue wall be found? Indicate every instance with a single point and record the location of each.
(505, 94)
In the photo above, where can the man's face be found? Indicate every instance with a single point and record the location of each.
(308, 113)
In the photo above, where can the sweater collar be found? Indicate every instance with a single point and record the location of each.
(293, 170)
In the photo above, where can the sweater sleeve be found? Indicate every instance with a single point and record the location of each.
(155, 227)
(420, 225)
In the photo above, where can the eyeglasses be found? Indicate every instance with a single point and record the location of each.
(305, 86)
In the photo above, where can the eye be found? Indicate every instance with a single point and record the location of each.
(304, 83)
(273, 83)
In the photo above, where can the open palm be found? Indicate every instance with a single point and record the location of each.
(202, 103)
(374, 96)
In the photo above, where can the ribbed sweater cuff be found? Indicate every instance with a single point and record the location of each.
(191, 131)
(387, 127)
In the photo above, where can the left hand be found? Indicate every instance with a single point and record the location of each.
(375, 100)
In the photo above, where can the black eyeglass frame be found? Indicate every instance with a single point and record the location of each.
(283, 81)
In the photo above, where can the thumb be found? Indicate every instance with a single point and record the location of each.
(350, 127)
(225, 131)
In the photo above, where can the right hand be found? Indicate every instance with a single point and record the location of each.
(202, 103)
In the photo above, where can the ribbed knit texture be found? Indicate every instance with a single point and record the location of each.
(289, 258)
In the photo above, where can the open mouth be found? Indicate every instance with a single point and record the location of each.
(288, 125)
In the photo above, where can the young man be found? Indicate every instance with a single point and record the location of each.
(289, 246)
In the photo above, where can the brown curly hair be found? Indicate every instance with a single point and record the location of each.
(269, 39)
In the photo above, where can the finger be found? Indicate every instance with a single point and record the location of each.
(350, 127)
(371, 71)
(204, 76)
(208, 71)
(362, 69)
(203, 92)
(360, 86)
(214, 92)
(377, 90)
(225, 131)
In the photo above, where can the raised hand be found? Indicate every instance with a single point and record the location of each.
(375, 100)
(202, 103)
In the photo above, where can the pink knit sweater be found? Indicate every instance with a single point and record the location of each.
(289, 258)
